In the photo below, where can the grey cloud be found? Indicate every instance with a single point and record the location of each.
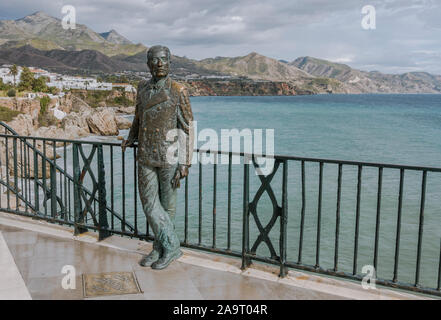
(284, 29)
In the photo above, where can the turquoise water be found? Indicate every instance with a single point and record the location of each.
(383, 128)
(400, 129)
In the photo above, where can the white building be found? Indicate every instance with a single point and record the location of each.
(64, 82)
(7, 77)
(70, 82)
(127, 87)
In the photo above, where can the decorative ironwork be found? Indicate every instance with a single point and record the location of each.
(277, 211)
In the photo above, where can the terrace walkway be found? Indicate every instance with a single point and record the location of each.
(33, 254)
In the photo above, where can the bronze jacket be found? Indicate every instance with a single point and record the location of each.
(158, 111)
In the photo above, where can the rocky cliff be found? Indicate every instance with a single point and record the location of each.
(356, 81)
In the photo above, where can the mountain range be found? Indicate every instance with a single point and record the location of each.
(39, 40)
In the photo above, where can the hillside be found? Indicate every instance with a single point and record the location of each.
(357, 81)
(254, 66)
(61, 60)
(114, 37)
(47, 33)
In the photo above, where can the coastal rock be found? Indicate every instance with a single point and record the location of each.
(23, 124)
(102, 121)
(126, 110)
(77, 120)
(51, 132)
(243, 87)
(123, 123)
(25, 105)
(71, 103)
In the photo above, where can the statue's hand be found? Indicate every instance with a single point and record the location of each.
(125, 144)
(181, 172)
(183, 169)
(176, 179)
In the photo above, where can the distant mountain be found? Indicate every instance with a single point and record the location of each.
(45, 33)
(254, 66)
(356, 81)
(114, 37)
(62, 60)
(180, 66)
(92, 61)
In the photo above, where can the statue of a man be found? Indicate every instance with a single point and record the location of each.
(162, 110)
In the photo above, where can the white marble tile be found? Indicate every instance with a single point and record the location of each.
(12, 286)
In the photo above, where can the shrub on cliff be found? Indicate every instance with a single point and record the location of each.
(11, 93)
(45, 118)
(7, 114)
(44, 103)
(123, 101)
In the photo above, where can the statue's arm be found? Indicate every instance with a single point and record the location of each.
(185, 123)
(134, 129)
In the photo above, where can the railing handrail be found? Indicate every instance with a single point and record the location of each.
(252, 155)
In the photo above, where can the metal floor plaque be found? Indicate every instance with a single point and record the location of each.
(109, 284)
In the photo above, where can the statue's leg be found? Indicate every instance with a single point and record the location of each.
(167, 194)
(146, 186)
(166, 243)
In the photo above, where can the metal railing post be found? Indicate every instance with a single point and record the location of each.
(284, 221)
(246, 215)
(78, 216)
(36, 194)
(15, 173)
(102, 215)
(53, 182)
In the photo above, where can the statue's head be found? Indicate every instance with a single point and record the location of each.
(158, 61)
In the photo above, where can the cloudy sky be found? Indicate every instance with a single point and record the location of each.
(407, 35)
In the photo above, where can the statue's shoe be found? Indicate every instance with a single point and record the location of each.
(166, 259)
(149, 259)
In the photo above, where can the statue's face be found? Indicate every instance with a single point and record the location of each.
(159, 64)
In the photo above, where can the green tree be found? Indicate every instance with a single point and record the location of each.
(39, 84)
(26, 80)
(14, 71)
(11, 92)
(123, 79)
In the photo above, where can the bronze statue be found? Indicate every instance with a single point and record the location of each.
(162, 106)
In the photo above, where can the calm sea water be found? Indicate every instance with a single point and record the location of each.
(401, 129)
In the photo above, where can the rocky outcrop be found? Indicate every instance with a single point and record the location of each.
(71, 103)
(242, 87)
(27, 106)
(76, 120)
(23, 124)
(126, 110)
(102, 121)
(123, 123)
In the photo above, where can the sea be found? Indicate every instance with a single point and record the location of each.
(383, 128)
